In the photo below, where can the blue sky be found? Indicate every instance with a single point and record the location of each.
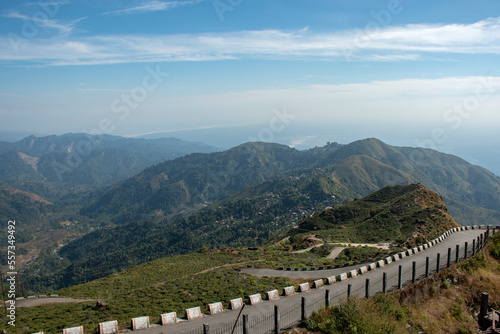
(150, 66)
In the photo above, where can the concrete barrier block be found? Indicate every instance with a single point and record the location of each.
(304, 287)
(396, 258)
(342, 277)
(318, 283)
(388, 260)
(255, 299)
(42, 296)
(363, 270)
(482, 227)
(380, 263)
(19, 298)
(31, 297)
(193, 313)
(73, 330)
(54, 296)
(215, 308)
(420, 248)
(415, 250)
(273, 295)
(140, 323)
(353, 273)
(331, 280)
(402, 255)
(168, 318)
(289, 290)
(236, 303)
(108, 327)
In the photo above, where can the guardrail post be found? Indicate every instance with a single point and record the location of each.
(400, 277)
(466, 250)
(413, 272)
(367, 288)
(349, 286)
(327, 298)
(303, 314)
(438, 260)
(384, 282)
(481, 241)
(473, 247)
(276, 319)
(427, 267)
(483, 310)
(448, 260)
(246, 326)
(206, 329)
(457, 256)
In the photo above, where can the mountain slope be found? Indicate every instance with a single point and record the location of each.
(408, 215)
(182, 184)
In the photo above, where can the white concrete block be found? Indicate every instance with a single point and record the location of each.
(108, 327)
(140, 323)
(215, 308)
(193, 313)
(169, 318)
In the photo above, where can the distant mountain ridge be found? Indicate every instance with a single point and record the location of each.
(359, 168)
(83, 159)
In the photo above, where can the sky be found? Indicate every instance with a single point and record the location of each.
(418, 73)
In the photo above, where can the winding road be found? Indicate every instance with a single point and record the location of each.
(260, 314)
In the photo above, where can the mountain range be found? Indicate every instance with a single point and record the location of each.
(240, 197)
(87, 160)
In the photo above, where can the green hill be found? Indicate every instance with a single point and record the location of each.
(406, 215)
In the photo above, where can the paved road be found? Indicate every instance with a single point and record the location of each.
(261, 314)
(335, 252)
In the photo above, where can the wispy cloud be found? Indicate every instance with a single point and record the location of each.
(63, 28)
(151, 6)
(405, 43)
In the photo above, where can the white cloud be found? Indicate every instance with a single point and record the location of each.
(151, 6)
(405, 43)
(63, 28)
